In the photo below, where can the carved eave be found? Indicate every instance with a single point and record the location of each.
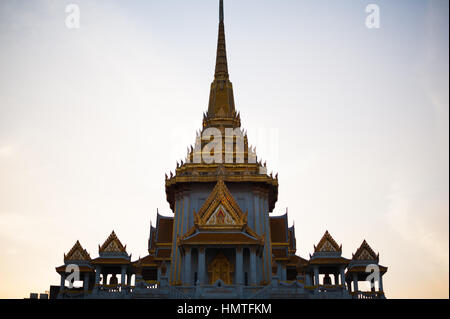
(146, 262)
(112, 245)
(220, 238)
(362, 271)
(316, 260)
(327, 244)
(77, 253)
(120, 260)
(217, 121)
(365, 253)
(82, 268)
(298, 262)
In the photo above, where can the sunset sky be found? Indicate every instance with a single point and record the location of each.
(354, 120)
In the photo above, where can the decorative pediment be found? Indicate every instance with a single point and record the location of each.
(220, 217)
(112, 245)
(77, 253)
(365, 252)
(327, 244)
(220, 210)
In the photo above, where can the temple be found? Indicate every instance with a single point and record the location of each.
(220, 239)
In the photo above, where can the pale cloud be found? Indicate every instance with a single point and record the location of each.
(6, 150)
(435, 78)
(409, 215)
(420, 241)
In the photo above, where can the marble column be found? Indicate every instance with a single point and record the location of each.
(380, 283)
(256, 212)
(201, 266)
(63, 282)
(279, 271)
(316, 276)
(253, 266)
(122, 275)
(105, 278)
(342, 270)
(173, 273)
(283, 273)
(308, 280)
(239, 266)
(98, 270)
(349, 286)
(268, 241)
(187, 266)
(355, 282)
(86, 282)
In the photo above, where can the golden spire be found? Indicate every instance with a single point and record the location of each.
(221, 60)
(221, 111)
(221, 11)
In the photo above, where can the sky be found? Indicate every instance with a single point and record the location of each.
(355, 121)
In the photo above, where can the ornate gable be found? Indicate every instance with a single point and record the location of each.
(220, 210)
(327, 244)
(77, 253)
(365, 252)
(220, 217)
(112, 245)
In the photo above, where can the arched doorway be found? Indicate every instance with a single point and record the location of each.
(220, 268)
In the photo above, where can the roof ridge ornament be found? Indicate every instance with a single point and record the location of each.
(220, 172)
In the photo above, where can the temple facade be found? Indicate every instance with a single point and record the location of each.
(220, 240)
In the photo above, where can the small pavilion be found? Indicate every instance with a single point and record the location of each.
(113, 260)
(365, 262)
(327, 260)
(76, 259)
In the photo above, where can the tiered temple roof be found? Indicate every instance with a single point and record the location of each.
(239, 162)
(279, 233)
(163, 237)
